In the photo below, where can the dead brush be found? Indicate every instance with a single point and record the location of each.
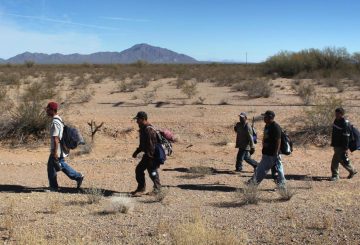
(196, 231)
(94, 195)
(190, 89)
(286, 193)
(119, 204)
(250, 194)
(161, 194)
(201, 170)
(10, 221)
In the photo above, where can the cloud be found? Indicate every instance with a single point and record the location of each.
(67, 22)
(124, 19)
(15, 40)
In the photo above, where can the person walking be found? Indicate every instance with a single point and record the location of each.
(56, 160)
(340, 138)
(244, 142)
(270, 151)
(148, 140)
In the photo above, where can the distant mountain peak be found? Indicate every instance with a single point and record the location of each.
(142, 51)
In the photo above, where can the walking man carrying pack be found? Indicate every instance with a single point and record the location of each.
(148, 141)
(244, 142)
(56, 160)
(270, 151)
(340, 142)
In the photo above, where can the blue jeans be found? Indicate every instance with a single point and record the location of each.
(277, 172)
(244, 155)
(267, 163)
(52, 174)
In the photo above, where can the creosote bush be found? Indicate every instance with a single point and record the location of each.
(190, 89)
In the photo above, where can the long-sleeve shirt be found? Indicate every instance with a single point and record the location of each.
(148, 140)
(340, 134)
(244, 138)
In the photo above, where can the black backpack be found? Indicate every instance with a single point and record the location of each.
(286, 147)
(354, 143)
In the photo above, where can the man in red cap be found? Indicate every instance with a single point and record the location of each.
(56, 160)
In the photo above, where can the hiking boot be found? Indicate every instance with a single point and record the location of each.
(79, 181)
(352, 174)
(138, 192)
(334, 178)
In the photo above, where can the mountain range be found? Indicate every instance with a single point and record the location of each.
(138, 52)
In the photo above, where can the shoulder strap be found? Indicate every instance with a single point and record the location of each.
(58, 119)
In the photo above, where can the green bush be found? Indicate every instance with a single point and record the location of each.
(289, 64)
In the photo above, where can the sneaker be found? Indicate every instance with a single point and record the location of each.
(352, 174)
(334, 178)
(79, 181)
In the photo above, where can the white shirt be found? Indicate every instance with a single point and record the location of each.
(56, 129)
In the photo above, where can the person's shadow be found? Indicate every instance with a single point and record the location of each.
(69, 190)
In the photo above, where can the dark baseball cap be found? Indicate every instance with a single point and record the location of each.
(141, 115)
(269, 114)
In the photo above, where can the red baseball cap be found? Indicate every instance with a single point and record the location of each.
(53, 106)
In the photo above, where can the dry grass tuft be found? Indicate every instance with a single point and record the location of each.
(119, 204)
(286, 193)
(250, 194)
(197, 232)
(201, 170)
(94, 195)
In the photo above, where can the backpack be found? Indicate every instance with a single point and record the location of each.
(254, 134)
(286, 146)
(354, 143)
(71, 137)
(163, 147)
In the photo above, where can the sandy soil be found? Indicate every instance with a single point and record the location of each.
(320, 212)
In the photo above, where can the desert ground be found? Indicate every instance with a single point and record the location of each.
(203, 200)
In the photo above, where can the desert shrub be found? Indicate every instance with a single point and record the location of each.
(317, 123)
(201, 170)
(288, 64)
(286, 193)
(148, 97)
(29, 63)
(38, 91)
(179, 83)
(196, 231)
(81, 82)
(10, 79)
(306, 92)
(190, 89)
(200, 101)
(334, 82)
(93, 194)
(258, 89)
(119, 204)
(250, 194)
(320, 117)
(161, 194)
(81, 96)
(125, 87)
(27, 120)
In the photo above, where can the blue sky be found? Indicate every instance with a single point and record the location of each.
(204, 29)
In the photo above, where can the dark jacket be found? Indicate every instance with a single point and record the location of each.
(148, 140)
(244, 139)
(340, 134)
